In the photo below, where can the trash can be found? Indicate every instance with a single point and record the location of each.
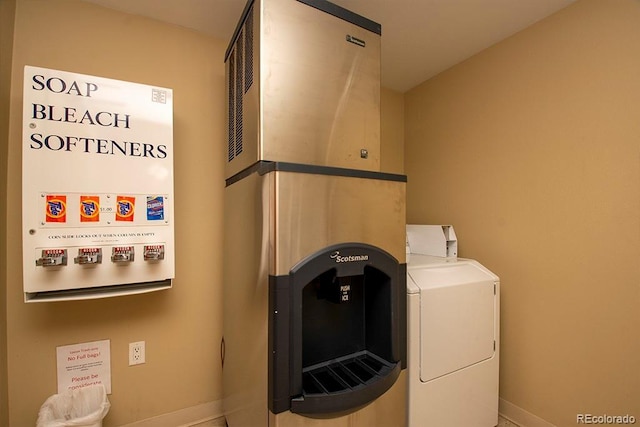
(86, 407)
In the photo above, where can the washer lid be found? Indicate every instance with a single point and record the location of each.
(457, 318)
(437, 275)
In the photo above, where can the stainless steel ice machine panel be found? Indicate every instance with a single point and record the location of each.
(276, 218)
(303, 87)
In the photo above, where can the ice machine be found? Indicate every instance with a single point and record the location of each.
(315, 271)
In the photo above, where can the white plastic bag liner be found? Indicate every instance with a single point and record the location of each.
(86, 406)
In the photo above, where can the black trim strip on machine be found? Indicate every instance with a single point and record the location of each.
(263, 167)
(345, 14)
(323, 5)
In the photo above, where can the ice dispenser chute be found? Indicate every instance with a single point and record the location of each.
(335, 341)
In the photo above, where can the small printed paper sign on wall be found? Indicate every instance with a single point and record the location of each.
(82, 365)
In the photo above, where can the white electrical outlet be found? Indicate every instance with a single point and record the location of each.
(136, 353)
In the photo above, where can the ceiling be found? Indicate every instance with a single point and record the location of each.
(420, 38)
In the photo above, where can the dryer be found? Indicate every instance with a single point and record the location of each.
(453, 308)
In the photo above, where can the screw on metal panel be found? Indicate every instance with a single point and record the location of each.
(32, 125)
(32, 231)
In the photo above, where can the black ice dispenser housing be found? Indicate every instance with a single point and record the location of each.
(332, 342)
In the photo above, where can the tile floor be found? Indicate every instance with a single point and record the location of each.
(502, 422)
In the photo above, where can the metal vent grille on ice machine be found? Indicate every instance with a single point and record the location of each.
(240, 81)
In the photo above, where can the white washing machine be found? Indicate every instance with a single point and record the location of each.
(453, 308)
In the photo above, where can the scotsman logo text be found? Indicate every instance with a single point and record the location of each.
(605, 419)
(349, 258)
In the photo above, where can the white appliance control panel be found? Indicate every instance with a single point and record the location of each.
(97, 186)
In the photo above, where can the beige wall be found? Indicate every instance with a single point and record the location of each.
(181, 326)
(7, 12)
(531, 149)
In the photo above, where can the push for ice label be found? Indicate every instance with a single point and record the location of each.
(89, 208)
(125, 206)
(56, 208)
(155, 208)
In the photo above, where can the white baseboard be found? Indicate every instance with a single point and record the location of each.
(199, 415)
(521, 417)
(205, 414)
